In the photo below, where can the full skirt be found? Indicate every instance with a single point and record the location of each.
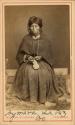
(37, 85)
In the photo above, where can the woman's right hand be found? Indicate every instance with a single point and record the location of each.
(30, 59)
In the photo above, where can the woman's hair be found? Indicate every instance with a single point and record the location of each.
(36, 20)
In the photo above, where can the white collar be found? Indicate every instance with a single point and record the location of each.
(36, 37)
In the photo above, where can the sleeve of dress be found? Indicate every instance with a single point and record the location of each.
(20, 54)
(51, 56)
(48, 56)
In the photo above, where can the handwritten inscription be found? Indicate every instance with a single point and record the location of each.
(36, 115)
(40, 118)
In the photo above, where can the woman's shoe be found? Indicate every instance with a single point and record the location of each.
(50, 104)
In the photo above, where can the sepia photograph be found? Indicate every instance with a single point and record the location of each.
(37, 55)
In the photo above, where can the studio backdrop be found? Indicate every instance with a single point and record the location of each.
(55, 26)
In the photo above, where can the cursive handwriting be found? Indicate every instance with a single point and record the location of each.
(39, 118)
(11, 115)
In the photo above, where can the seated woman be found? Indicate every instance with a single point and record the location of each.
(35, 78)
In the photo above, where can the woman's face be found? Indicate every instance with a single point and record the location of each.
(35, 29)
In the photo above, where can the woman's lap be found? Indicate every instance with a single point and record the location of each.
(34, 83)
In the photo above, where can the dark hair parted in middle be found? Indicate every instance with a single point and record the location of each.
(36, 20)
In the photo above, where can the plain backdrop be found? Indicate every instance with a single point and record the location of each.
(55, 26)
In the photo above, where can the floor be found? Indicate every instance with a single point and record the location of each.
(14, 103)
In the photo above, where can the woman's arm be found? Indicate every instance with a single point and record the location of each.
(20, 57)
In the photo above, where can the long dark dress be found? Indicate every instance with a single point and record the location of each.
(37, 85)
